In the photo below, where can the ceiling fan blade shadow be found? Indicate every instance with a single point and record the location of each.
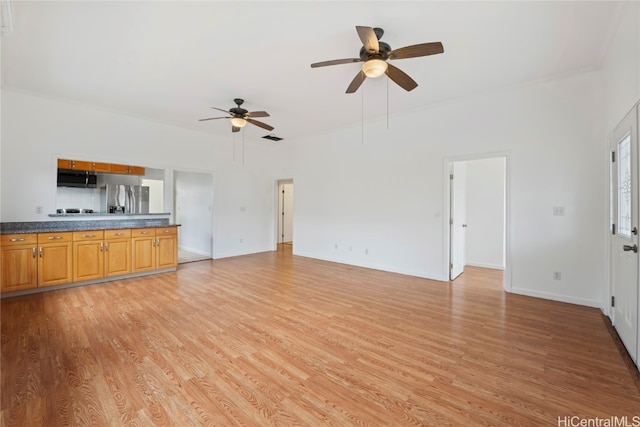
(235, 129)
(260, 124)
(417, 50)
(356, 82)
(258, 114)
(335, 62)
(401, 78)
(212, 118)
(369, 39)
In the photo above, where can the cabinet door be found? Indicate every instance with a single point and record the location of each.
(136, 170)
(117, 257)
(167, 251)
(119, 168)
(143, 253)
(19, 268)
(65, 164)
(88, 260)
(55, 264)
(101, 167)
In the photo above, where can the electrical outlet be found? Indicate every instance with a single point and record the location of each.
(38, 209)
(558, 210)
(557, 275)
(366, 251)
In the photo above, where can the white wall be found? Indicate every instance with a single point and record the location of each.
(37, 130)
(485, 212)
(378, 201)
(193, 199)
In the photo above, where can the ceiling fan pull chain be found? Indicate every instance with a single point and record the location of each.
(387, 104)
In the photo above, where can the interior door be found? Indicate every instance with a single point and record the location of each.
(624, 239)
(457, 219)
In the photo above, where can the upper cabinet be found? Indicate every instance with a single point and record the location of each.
(127, 169)
(83, 165)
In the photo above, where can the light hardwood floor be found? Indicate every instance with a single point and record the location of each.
(274, 339)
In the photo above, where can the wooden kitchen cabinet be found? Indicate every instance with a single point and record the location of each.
(117, 255)
(55, 263)
(143, 249)
(19, 262)
(88, 255)
(127, 169)
(84, 165)
(154, 248)
(166, 247)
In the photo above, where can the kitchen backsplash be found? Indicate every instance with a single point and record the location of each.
(81, 198)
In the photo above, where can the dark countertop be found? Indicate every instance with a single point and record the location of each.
(82, 225)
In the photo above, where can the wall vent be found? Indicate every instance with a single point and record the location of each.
(271, 137)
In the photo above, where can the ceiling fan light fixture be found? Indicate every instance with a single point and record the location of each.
(238, 122)
(374, 67)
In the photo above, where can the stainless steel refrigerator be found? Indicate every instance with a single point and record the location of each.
(126, 199)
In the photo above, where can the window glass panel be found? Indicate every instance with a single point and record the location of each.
(624, 186)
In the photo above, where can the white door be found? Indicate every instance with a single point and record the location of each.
(624, 239)
(457, 219)
(285, 225)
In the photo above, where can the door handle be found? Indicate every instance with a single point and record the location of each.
(628, 248)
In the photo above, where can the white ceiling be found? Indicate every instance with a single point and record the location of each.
(172, 61)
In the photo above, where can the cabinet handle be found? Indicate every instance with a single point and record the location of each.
(33, 252)
(89, 236)
(106, 246)
(55, 237)
(154, 242)
(21, 239)
(167, 231)
(158, 240)
(101, 246)
(119, 234)
(144, 232)
(40, 251)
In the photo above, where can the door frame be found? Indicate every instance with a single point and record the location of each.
(276, 210)
(446, 249)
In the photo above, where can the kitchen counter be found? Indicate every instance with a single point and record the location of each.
(105, 214)
(97, 222)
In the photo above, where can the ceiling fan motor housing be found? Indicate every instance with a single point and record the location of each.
(383, 52)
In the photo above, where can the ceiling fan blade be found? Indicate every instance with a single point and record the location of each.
(369, 39)
(213, 118)
(335, 62)
(258, 114)
(260, 124)
(401, 78)
(220, 109)
(416, 50)
(235, 129)
(356, 82)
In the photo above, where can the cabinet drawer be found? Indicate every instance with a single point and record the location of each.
(143, 232)
(55, 237)
(88, 235)
(18, 239)
(166, 231)
(117, 234)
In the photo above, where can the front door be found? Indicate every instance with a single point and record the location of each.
(624, 240)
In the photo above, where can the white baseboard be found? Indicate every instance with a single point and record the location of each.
(195, 251)
(557, 297)
(484, 265)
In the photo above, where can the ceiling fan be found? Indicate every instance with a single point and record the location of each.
(375, 53)
(239, 117)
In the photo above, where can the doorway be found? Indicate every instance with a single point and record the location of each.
(193, 199)
(477, 217)
(623, 248)
(285, 211)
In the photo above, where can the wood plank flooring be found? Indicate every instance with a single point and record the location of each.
(275, 339)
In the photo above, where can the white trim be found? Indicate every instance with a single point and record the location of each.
(483, 265)
(556, 297)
